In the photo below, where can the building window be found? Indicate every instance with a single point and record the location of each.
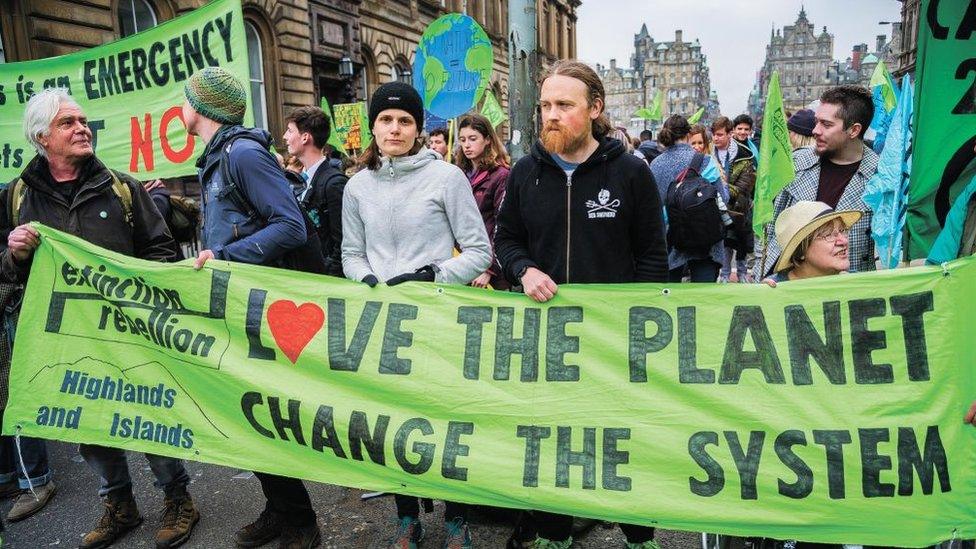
(401, 72)
(255, 58)
(135, 16)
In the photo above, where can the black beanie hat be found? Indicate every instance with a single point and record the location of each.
(802, 122)
(397, 95)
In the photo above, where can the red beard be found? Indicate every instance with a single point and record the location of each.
(557, 139)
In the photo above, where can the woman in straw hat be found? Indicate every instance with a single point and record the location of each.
(816, 241)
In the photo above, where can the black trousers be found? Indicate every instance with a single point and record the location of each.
(288, 498)
(409, 506)
(556, 527)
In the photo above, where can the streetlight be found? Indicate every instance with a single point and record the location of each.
(346, 72)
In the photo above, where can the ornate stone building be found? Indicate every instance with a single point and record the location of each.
(295, 46)
(678, 68)
(806, 65)
(802, 57)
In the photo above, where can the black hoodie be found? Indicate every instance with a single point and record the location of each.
(604, 224)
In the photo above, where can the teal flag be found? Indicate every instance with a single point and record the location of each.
(775, 158)
(886, 191)
(885, 99)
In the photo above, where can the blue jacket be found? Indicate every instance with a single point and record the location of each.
(278, 224)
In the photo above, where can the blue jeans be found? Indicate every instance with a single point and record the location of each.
(34, 452)
(112, 467)
(701, 270)
(740, 264)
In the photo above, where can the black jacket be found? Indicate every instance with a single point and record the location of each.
(325, 197)
(147, 237)
(605, 225)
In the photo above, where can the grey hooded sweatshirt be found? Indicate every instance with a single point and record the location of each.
(409, 213)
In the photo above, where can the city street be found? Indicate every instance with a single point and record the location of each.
(229, 498)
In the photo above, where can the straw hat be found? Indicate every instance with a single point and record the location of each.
(802, 219)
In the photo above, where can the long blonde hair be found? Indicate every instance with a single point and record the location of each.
(798, 141)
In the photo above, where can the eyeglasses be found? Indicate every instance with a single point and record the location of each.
(833, 236)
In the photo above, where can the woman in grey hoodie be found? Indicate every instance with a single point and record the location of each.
(401, 218)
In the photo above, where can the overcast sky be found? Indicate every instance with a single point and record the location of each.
(733, 33)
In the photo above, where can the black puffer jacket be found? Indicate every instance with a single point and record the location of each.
(147, 237)
(605, 224)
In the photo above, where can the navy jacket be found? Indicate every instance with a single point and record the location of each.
(278, 224)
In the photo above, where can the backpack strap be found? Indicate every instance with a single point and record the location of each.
(124, 194)
(697, 162)
(15, 197)
(232, 190)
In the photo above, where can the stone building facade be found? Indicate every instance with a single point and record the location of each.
(678, 68)
(805, 61)
(802, 57)
(295, 46)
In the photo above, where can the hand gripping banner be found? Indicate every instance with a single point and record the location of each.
(828, 410)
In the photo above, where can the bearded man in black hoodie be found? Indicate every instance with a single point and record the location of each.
(579, 209)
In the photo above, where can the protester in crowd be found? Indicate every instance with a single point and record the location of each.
(620, 135)
(578, 209)
(834, 172)
(648, 148)
(437, 141)
(742, 131)
(401, 218)
(634, 143)
(66, 187)
(306, 134)
(486, 163)
(816, 241)
(676, 158)
(214, 110)
(737, 168)
(698, 139)
(160, 196)
(800, 126)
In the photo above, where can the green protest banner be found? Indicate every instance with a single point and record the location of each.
(349, 123)
(827, 410)
(131, 90)
(943, 158)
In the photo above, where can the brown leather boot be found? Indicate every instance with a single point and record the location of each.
(121, 515)
(179, 518)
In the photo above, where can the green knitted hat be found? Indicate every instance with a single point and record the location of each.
(216, 94)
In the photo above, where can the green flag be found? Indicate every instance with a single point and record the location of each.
(775, 158)
(697, 116)
(492, 110)
(881, 77)
(334, 139)
(944, 123)
(653, 112)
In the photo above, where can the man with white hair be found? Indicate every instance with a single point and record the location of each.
(66, 187)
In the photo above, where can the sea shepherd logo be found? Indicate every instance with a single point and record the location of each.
(604, 208)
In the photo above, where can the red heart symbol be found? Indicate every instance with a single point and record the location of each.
(293, 327)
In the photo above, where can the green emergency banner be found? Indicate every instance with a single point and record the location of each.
(131, 90)
(828, 410)
(943, 159)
